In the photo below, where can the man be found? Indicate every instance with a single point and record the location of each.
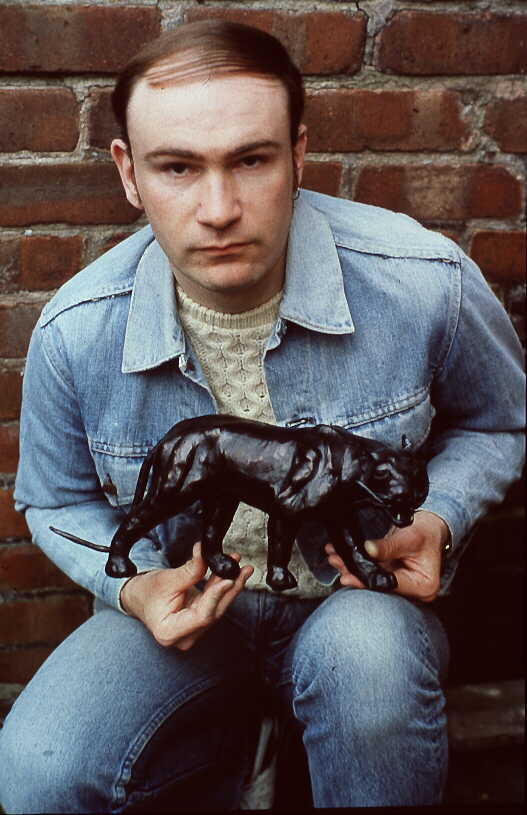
(246, 296)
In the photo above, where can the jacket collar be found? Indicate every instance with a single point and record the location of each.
(313, 297)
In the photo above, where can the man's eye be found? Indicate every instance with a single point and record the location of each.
(178, 169)
(252, 161)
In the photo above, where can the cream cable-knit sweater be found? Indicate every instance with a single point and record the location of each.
(230, 348)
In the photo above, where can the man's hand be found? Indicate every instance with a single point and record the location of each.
(173, 610)
(412, 553)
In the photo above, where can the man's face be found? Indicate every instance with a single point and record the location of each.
(214, 170)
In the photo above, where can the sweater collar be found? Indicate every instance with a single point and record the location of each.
(313, 295)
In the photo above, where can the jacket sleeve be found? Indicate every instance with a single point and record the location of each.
(57, 483)
(477, 445)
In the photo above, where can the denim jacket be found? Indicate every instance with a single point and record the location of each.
(385, 328)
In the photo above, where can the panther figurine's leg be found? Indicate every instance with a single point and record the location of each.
(350, 546)
(280, 537)
(141, 518)
(217, 518)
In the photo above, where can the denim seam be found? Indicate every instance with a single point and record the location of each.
(436, 737)
(47, 352)
(452, 321)
(142, 738)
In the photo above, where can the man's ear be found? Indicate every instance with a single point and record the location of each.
(121, 155)
(299, 152)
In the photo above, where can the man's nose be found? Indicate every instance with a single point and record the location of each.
(220, 203)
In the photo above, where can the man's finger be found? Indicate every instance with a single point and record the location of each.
(229, 596)
(347, 578)
(416, 584)
(206, 605)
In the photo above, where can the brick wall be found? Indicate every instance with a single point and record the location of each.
(417, 105)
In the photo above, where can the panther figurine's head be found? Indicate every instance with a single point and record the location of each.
(395, 480)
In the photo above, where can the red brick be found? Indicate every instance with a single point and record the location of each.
(24, 567)
(506, 122)
(43, 119)
(10, 394)
(8, 448)
(47, 261)
(455, 235)
(102, 124)
(38, 262)
(20, 664)
(323, 176)
(442, 192)
(113, 241)
(426, 43)
(12, 524)
(16, 324)
(73, 38)
(87, 193)
(344, 120)
(500, 255)
(41, 619)
(334, 43)
(319, 42)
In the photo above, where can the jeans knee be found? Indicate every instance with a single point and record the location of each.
(368, 655)
(37, 775)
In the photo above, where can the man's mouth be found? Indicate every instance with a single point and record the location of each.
(223, 249)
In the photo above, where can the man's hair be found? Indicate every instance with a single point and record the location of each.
(207, 48)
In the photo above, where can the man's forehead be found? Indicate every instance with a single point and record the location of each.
(234, 107)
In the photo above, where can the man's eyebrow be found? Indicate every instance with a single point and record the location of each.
(178, 152)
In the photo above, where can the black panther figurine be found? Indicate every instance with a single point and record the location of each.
(295, 475)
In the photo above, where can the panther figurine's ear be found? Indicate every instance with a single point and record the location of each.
(406, 444)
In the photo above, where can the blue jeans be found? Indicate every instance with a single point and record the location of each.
(113, 721)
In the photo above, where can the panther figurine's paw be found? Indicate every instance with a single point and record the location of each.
(224, 566)
(382, 581)
(120, 566)
(280, 579)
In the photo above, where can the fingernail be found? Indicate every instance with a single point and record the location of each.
(371, 548)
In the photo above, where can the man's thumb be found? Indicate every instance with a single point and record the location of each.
(195, 568)
(371, 548)
(390, 548)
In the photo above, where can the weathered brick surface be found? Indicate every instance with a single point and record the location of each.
(506, 122)
(427, 43)
(24, 567)
(8, 447)
(38, 262)
(38, 119)
(442, 192)
(116, 238)
(87, 193)
(9, 262)
(10, 394)
(323, 176)
(42, 619)
(16, 324)
(72, 38)
(20, 664)
(343, 120)
(12, 524)
(102, 124)
(500, 255)
(320, 42)
(47, 261)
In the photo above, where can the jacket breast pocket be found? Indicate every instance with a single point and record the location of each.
(406, 421)
(118, 468)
